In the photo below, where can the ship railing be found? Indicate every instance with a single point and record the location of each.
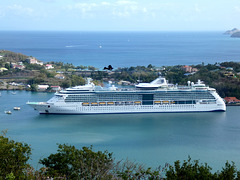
(129, 89)
(42, 103)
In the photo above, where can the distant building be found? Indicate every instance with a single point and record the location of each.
(32, 60)
(14, 84)
(56, 88)
(187, 68)
(229, 68)
(60, 76)
(43, 87)
(229, 74)
(232, 100)
(49, 66)
(17, 66)
(125, 83)
(85, 73)
(194, 70)
(3, 69)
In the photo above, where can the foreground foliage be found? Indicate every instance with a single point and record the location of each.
(13, 158)
(194, 170)
(72, 163)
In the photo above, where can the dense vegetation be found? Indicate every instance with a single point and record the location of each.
(72, 163)
(225, 77)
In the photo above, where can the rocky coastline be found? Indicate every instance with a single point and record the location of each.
(233, 33)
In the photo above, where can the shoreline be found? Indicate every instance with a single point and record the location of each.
(24, 89)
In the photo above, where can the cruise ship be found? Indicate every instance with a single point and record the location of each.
(157, 96)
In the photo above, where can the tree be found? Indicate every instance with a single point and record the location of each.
(66, 83)
(13, 158)
(33, 87)
(91, 68)
(73, 163)
(189, 170)
(7, 65)
(150, 66)
(77, 80)
(128, 170)
(229, 172)
(193, 170)
(81, 67)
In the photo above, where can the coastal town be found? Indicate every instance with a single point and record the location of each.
(21, 72)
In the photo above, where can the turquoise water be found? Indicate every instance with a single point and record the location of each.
(123, 49)
(152, 139)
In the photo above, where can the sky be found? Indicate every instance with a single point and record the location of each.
(119, 15)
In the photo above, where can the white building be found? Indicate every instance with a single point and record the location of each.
(49, 66)
(43, 87)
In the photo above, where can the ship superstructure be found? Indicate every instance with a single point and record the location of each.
(155, 97)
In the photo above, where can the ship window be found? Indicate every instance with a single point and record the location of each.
(147, 99)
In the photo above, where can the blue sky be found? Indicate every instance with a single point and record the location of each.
(120, 15)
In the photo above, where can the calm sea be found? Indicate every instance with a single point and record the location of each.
(152, 139)
(124, 49)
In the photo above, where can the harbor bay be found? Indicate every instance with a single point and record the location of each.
(123, 49)
(119, 90)
(151, 138)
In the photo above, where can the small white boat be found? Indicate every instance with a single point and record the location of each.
(16, 108)
(13, 93)
(8, 112)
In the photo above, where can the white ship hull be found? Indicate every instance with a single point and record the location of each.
(45, 108)
(156, 97)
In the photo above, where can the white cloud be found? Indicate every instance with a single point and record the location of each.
(82, 9)
(237, 8)
(20, 10)
(105, 3)
(196, 8)
(122, 8)
(144, 10)
(49, 1)
(126, 2)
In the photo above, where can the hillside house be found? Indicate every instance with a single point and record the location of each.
(232, 100)
(49, 66)
(32, 60)
(3, 69)
(42, 87)
(187, 68)
(56, 88)
(17, 66)
(59, 76)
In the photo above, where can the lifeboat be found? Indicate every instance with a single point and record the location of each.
(137, 102)
(165, 102)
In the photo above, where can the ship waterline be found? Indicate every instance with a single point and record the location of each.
(155, 97)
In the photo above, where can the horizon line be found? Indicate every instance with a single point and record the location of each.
(113, 30)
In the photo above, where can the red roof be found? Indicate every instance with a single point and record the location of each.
(231, 99)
